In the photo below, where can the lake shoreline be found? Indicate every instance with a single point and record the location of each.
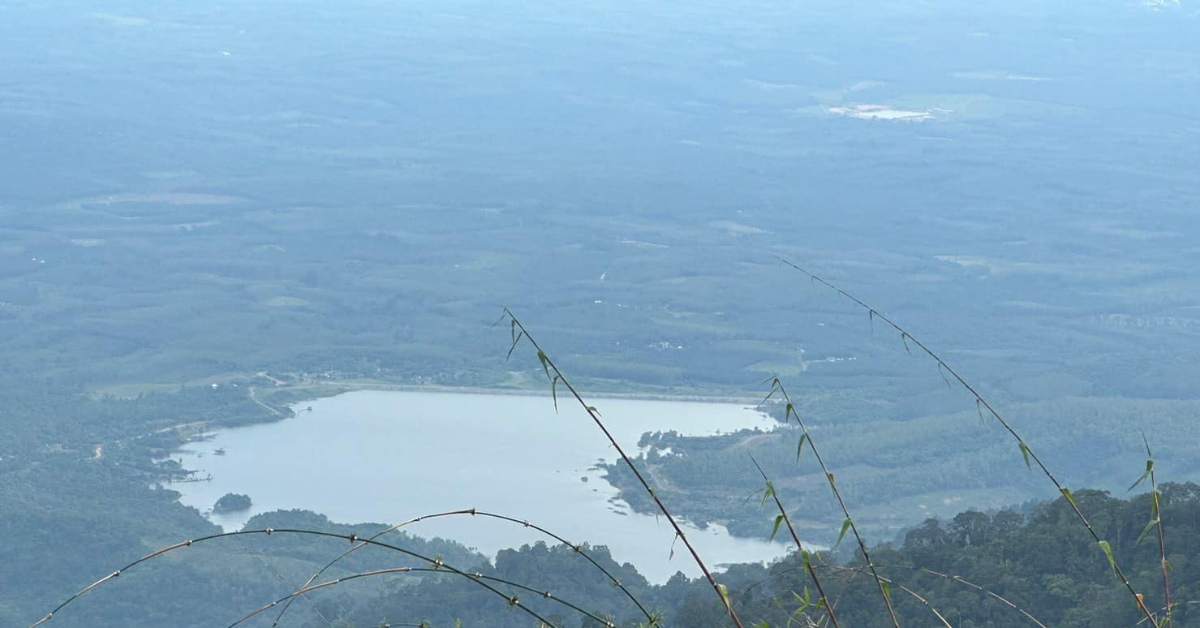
(289, 408)
(381, 385)
(529, 449)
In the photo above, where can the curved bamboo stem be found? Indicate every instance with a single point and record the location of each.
(981, 403)
(783, 517)
(578, 549)
(512, 600)
(790, 411)
(519, 331)
(353, 538)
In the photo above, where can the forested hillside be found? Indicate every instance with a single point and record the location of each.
(1041, 560)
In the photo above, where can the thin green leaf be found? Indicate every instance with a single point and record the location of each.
(554, 391)
(845, 528)
(1108, 553)
(545, 362)
(724, 593)
(1025, 453)
(768, 493)
(887, 590)
(1149, 528)
(805, 601)
(774, 389)
(1070, 498)
(516, 341)
(942, 372)
(778, 522)
(1149, 470)
(800, 446)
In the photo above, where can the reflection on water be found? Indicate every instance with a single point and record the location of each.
(385, 457)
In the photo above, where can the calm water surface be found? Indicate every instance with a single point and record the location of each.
(376, 456)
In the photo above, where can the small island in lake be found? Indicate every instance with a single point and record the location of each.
(231, 502)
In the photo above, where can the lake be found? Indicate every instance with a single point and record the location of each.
(376, 456)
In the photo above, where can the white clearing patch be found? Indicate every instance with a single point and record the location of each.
(122, 20)
(968, 261)
(999, 76)
(880, 112)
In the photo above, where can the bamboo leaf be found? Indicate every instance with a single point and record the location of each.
(887, 590)
(554, 391)
(941, 371)
(800, 446)
(778, 522)
(515, 342)
(545, 362)
(724, 593)
(1149, 527)
(1149, 470)
(768, 493)
(1025, 453)
(804, 601)
(845, 528)
(1070, 498)
(1108, 553)
(774, 389)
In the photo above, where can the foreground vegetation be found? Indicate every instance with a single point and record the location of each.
(1036, 559)
(1040, 563)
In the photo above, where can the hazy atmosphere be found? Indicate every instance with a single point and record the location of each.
(676, 315)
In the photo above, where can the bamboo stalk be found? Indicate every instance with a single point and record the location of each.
(982, 403)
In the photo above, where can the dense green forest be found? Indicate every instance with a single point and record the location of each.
(1094, 438)
(1038, 559)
